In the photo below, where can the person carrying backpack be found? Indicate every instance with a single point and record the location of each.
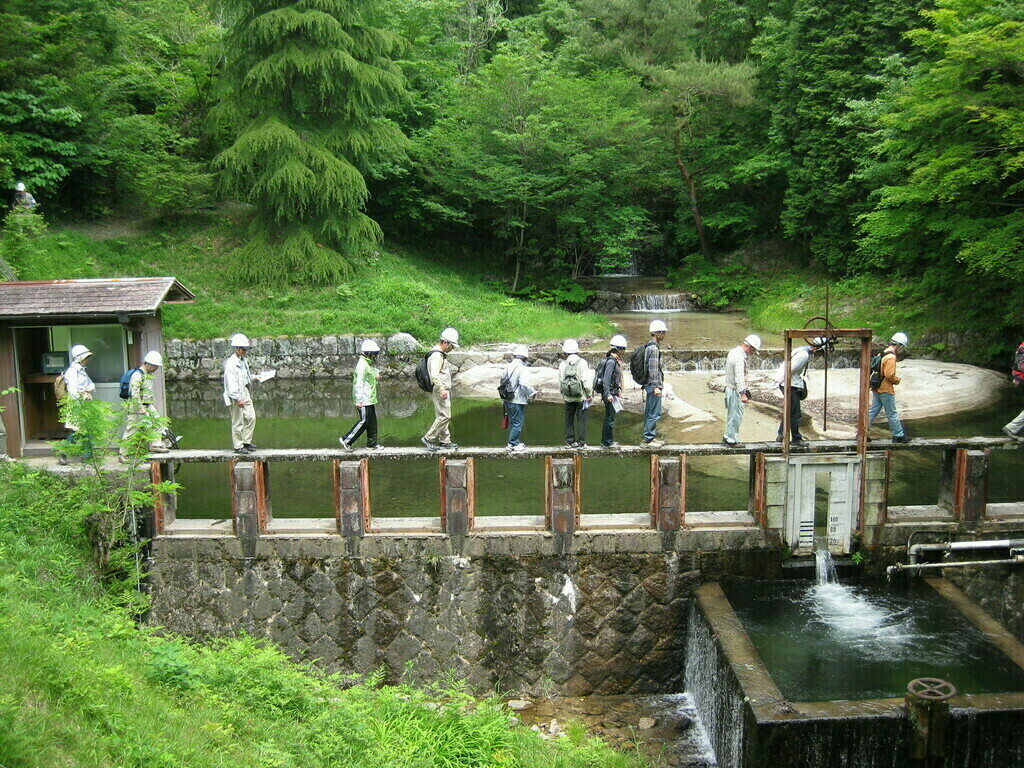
(140, 404)
(653, 379)
(521, 392)
(883, 395)
(574, 383)
(79, 387)
(1016, 427)
(364, 395)
(439, 374)
(799, 362)
(608, 380)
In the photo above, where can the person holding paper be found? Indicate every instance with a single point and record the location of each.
(238, 396)
(610, 376)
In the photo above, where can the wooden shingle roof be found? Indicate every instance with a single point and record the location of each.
(89, 298)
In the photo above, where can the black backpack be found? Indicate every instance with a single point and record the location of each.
(423, 373)
(638, 364)
(876, 372)
(126, 382)
(505, 389)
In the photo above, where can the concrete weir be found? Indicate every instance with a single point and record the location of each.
(564, 603)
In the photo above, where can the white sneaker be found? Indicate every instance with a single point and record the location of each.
(344, 445)
(515, 448)
(652, 443)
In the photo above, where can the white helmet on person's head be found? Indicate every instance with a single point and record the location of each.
(240, 340)
(754, 341)
(20, 186)
(451, 336)
(899, 338)
(80, 352)
(521, 351)
(153, 358)
(570, 347)
(619, 341)
(658, 326)
(369, 347)
(819, 341)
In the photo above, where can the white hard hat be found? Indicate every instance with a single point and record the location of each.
(450, 335)
(369, 345)
(819, 341)
(570, 347)
(521, 351)
(20, 186)
(899, 338)
(240, 340)
(657, 326)
(79, 352)
(754, 341)
(153, 358)
(618, 340)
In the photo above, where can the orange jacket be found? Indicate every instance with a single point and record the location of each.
(889, 377)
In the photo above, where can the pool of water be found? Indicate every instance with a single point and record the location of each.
(866, 640)
(313, 413)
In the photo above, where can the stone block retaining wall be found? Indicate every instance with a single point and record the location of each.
(603, 613)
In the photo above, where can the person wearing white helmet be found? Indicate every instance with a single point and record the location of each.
(1015, 428)
(79, 387)
(575, 383)
(737, 394)
(799, 362)
(364, 395)
(608, 381)
(884, 396)
(23, 200)
(652, 383)
(238, 383)
(513, 380)
(440, 374)
(140, 405)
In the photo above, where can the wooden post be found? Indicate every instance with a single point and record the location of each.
(264, 510)
(244, 506)
(562, 495)
(165, 505)
(963, 485)
(757, 505)
(352, 502)
(787, 375)
(457, 496)
(669, 495)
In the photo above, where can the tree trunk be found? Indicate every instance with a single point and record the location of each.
(692, 189)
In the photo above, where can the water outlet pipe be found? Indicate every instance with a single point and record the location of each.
(892, 570)
(914, 552)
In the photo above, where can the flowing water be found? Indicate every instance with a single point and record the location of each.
(865, 640)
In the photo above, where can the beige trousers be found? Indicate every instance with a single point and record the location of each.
(438, 432)
(134, 422)
(243, 423)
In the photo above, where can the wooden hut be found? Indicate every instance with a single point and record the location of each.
(118, 319)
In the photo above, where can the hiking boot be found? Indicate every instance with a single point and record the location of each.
(344, 445)
(432, 447)
(62, 459)
(736, 444)
(652, 443)
(611, 446)
(374, 447)
(902, 439)
(448, 446)
(250, 447)
(243, 451)
(581, 446)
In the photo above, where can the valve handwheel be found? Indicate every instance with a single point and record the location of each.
(931, 689)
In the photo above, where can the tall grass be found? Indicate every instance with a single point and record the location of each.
(81, 685)
(396, 292)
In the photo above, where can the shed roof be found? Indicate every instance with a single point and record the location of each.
(90, 298)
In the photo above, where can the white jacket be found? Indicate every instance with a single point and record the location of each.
(237, 380)
(523, 391)
(78, 382)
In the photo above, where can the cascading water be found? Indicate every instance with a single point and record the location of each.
(824, 565)
(659, 302)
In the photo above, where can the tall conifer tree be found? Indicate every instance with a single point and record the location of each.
(309, 82)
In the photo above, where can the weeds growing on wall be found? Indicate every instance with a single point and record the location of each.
(82, 684)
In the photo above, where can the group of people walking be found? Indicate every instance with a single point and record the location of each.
(578, 386)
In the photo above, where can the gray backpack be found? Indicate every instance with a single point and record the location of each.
(571, 384)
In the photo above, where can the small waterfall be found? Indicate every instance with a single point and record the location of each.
(824, 565)
(658, 302)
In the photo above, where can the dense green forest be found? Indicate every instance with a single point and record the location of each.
(549, 138)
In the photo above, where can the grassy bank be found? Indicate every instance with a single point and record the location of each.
(399, 291)
(82, 685)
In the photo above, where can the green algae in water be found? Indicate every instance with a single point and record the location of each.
(837, 642)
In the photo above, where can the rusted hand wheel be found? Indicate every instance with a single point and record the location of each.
(931, 689)
(820, 321)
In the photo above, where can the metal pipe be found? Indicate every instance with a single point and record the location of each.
(951, 546)
(892, 570)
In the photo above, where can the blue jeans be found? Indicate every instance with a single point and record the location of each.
(880, 400)
(515, 412)
(652, 412)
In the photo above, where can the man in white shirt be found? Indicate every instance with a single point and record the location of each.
(80, 387)
(799, 362)
(736, 392)
(140, 405)
(238, 396)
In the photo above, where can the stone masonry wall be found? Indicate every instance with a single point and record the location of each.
(603, 613)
